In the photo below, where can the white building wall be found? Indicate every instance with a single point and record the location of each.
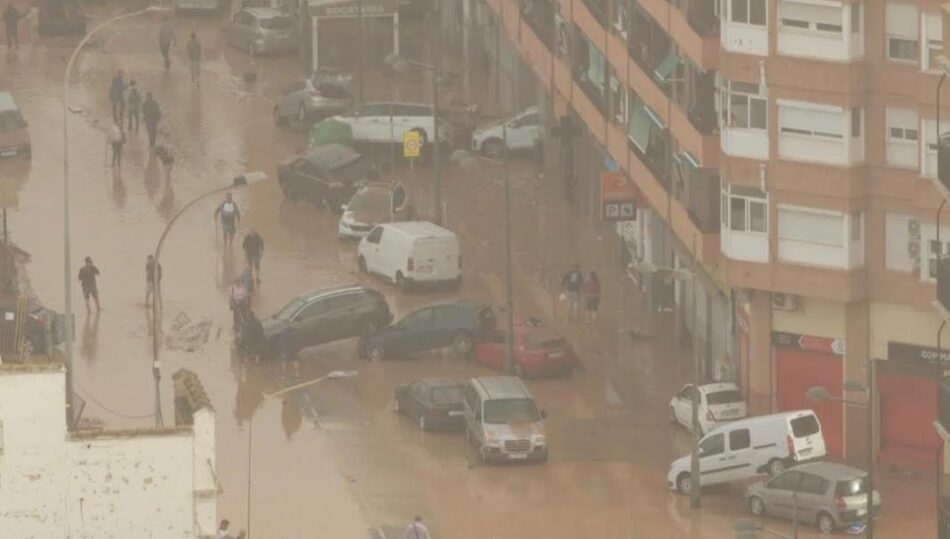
(205, 475)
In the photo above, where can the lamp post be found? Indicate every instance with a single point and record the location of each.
(238, 182)
(402, 65)
(819, 393)
(332, 375)
(467, 159)
(67, 247)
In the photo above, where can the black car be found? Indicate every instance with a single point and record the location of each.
(456, 323)
(432, 402)
(327, 175)
(324, 316)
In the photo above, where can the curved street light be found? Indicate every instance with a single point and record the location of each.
(67, 247)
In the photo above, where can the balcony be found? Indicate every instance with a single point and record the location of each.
(539, 16)
(698, 190)
(598, 8)
(701, 16)
(649, 139)
(589, 70)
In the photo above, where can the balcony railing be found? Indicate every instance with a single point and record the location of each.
(598, 8)
(539, 15)
(702, 18)
(597, 96)
(703, 204)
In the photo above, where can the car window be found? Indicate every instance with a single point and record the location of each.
(812, 484)
(714, 445)
(419, 391)
(724, 397)
(501, 411)
(412, 110)
(375, 235)
(449, 315)
(342, 301)
(686, 393)
(418, 319)
(852, 487)
(277, 23)
(446, 395)
(10, 120)
(248, 20)
(786, 481)
(290, 309)
(334, 91)
(373, 109)
(530, 119)
(805, 426)
(315, 308)
(739, 439)
(375, 201)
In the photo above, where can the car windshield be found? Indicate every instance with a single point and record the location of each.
(446, 395)
(501, 411)
(10, 120)
(543, 339)
(805, 426)
(289, 309)
(724, 397)
(277, 23)
(373, 200)
(852, 487)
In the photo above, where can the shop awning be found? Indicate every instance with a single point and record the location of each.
(667, 66)
(640, 126)
(351, 8)
(329, 132)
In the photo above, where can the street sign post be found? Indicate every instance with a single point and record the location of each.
(411, 144)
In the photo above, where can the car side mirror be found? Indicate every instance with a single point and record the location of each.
(544, 415)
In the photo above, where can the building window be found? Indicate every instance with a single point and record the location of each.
(855, 122)
(744, 209)
(902, 137)
(818, 122)
(855, 18)
(903, 32)
(745, 107)
(810, 17)
(748, 12)
(934, 253)
(856, 225)
(933, 38)
(618, 100)
(620, 17)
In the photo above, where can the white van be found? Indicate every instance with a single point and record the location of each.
(412, 252)
(749, 447)
(502, 421)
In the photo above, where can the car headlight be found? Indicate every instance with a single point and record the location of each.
(491, 438)
(347, 218)
(539, 439)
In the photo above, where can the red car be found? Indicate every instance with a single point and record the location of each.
(537, 351)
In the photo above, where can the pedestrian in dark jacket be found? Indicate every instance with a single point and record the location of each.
(571, 291)
(194, 57)
(151, 113)
(591, 296)
(88, 276)
(254, 251)
(151, 278)
(165, 36)
(117, 94)
(11, 18)
(133, 101)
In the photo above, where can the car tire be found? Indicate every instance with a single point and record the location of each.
(493, 148)
(361, 264)
(757, 506)
(422, 422)
(684, 483)
(462, 343)
(825, 522)
(401, 282)
(302, 114)
(375, 353)
(278, 119)
(775, 467)
(368, 329)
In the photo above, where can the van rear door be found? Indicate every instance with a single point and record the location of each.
(805, 439)
(436, 259)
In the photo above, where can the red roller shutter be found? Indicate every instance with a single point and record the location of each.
(799, 370)
(908, 408)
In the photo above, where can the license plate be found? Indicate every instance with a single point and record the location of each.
(806, 451)
(518, 456)
(455, 413)
(7, 153)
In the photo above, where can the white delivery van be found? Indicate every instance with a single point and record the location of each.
(502, 421)
(749, 447)
(411, 253)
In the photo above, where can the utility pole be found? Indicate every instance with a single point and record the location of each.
(359, 14)
(694, 495)
(436, 76)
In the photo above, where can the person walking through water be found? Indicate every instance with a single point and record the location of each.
(417, 530)
(151, 279)
(88, 275)
(117, 95)
(591, 296)
(116, 139)
(133, 103)
(151, 113)
(194, 56)
(165, 36)
(230, 216)
(253, 252)
(11, 18)
(571, 291)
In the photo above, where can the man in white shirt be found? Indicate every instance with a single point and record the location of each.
(417, 530)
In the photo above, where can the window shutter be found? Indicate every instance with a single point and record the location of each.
(901, 20)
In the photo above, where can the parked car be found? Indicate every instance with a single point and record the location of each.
(718, 404)
(502, 421)
(373, 204)
(410, 253)
(749, 447)
(385, 123)
(324, 316)
(309, 99)
(262, 30)
(432, 402)
(537, 351)
(523, 132)
(327, 175)
(455, 323)
(827, 494)
(34, 325)
(14, 136)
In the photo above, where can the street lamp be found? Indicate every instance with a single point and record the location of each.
(467, 159)
(819, 393)
(403, 65)
(67, 248)
(238, 182)
(332, 375)
(647, 267)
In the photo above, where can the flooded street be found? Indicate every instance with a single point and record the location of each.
(334, 460)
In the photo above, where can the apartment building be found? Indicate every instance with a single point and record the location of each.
(788, 147)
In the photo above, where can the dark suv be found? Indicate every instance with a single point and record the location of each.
(324, 316)
(455, 323)
(328, 175)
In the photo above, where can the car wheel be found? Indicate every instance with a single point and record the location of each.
(493, 148)
(756, 506)
(376, 353)
(278, 119)
(519, 370)
(825, 522)
(302, 114)
(368, 329)
(775, 467)
(401, 282)
(684, 483)
(362, 264)
(422, 422)
(462, 343)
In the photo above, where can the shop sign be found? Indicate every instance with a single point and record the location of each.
(911, 352)
(809, 343)
(617, 197)
(370, 8)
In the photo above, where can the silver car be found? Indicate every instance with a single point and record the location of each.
(827, 494)
(262, 30)
(311, 100)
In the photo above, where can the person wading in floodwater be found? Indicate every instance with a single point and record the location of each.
(230, 216)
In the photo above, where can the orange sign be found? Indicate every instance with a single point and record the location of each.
(618, 196)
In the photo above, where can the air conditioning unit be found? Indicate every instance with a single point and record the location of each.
(785, 302)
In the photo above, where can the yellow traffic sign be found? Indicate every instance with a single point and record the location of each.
(411, 141)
